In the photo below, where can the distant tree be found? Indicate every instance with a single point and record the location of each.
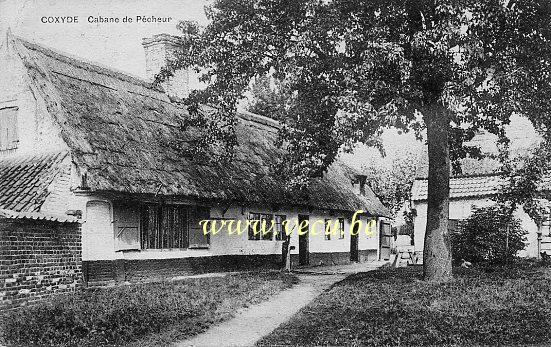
(525, 175)
(267, 97)
(354, 67)
(392, 184)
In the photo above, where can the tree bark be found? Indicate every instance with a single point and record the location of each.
(437, 261)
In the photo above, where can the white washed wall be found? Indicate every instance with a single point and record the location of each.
(462, 209)
(98, 236)
(35, 127)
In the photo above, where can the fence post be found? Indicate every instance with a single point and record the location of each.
(507, 243)
(539, 245)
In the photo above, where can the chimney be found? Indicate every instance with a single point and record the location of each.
(159, 49)
(359, 184)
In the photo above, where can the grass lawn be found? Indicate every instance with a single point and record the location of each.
(481, 306)
(152, 314)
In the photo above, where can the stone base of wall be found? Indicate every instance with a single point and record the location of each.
(37, 259)
(368, 255)
(105, 272)
(115, 271)
(336, 258)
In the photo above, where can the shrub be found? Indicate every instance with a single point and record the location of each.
(490, 234)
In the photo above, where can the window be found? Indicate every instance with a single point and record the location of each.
(327, 229)
(267, 226)
(279, 230)
(172, 226)
(341, 228)
(254, 226)
(8, 128)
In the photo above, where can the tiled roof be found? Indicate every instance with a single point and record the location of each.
(38, 216)
(24, 180)
(461, 187)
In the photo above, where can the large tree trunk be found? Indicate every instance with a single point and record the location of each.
(437, 264)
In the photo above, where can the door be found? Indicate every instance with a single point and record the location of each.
(98, 239)
(385, 236)
(354, 243)
(303, 241)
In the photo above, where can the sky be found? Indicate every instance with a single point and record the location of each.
(118, 45)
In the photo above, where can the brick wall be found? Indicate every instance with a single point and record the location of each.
(38, 259)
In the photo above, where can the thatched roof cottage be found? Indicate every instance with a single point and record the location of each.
(104, 147)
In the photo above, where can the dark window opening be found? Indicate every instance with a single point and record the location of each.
(341, 228)
(327, 229)
(172, 226)
(267, 226)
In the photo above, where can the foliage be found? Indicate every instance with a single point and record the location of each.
(489, 234)
(268, 99)
(524, 177)
(393, 184)
(116, 316)
(353, 67)
(484, 306)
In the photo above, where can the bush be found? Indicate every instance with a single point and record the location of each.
(484, 236)
(118, 315)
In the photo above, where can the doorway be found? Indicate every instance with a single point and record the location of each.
(303, 241)
(385, 237)
(354, 243)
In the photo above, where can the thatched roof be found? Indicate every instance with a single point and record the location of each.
(121, 132)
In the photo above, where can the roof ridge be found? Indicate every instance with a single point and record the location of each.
(89, 65)
(259, 119)
(127, 77)
(487, 174)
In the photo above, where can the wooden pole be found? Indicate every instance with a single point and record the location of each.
(507, 242)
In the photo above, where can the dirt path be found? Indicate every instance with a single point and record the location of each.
(255, 322)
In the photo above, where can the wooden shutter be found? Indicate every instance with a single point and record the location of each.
(8, 128)
(127, 231)
(197, 238)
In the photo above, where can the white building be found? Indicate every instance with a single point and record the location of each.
(479, 183)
